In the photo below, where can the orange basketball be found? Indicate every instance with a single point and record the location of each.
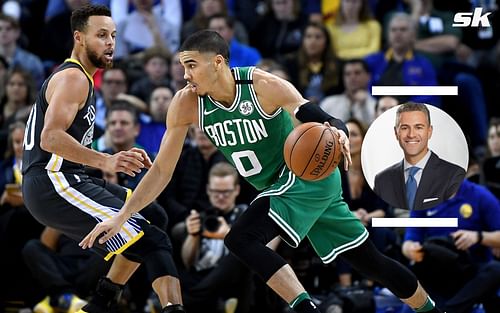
(312, 151)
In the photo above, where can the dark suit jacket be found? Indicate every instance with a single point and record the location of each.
(439, 181)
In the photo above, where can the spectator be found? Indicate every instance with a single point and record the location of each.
(279, 31)
(145, 28)
(56, 40)
(66, 272)
(176, 73)
(122, 128)
(455, 265)
(355, 101)
(355, 34)
(17, 225)
(399, 64)
(314, 69)
(155, 62)
(186, 191)
(14, 55)
(211, 272)
(491, 166)
(153, 126)
(204, 10)
(16, 102)
(385, 103)
(240, 54)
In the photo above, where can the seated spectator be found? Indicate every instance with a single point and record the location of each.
(314, 69)
(155, 63)
(145, 28)
(176, 74)
(122, 128)
(399, 65)
(385, 103)
(187, 188)
(17, 101)
(153, 125)
(279, 31)
(17, 225)
(67, 272)
(204, 10)
(114, 86)
(14, 55)
(355, 34)
(56, 40)
(455, 265)
(491, 166)
(355, 101)
(241, 54)
(212, 274)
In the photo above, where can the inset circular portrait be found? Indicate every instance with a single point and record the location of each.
(414, 156)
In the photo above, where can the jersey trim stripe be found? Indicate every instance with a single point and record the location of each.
(347, 246)
(200, 112)
(83, 68)
(282, 189)
(256, 100)
(236, 101)
(286, 228)
(55, 163)
(130, 230)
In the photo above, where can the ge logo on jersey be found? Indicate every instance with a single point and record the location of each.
(246, 107)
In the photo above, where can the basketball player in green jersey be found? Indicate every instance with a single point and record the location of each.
(248, 113)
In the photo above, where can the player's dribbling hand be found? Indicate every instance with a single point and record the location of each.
(344, 144)
(109, 228)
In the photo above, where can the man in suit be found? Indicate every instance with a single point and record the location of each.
(421, 180)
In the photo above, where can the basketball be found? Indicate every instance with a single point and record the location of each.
(312, 151)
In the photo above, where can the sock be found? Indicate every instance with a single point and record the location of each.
(174, 308)
(428, 306)
(303, 304)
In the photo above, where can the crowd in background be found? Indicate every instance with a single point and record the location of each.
(333, 52)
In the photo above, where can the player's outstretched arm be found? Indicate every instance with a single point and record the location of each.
(182, 113)
(66, 94)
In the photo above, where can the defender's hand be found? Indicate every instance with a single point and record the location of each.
(128, 162)
(109, 228)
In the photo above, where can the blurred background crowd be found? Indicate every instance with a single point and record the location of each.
(332, 51)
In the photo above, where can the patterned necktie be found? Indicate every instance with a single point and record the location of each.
(411, 186)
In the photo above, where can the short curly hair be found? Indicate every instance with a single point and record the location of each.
(80, 17)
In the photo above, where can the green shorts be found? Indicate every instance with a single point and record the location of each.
(316, 210)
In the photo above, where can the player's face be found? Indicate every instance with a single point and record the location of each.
(200, 70)
(413, 134)
(222, 192)
(100, 41)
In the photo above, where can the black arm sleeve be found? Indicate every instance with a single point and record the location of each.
(310, 112)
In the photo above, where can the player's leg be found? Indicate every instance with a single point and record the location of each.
(368, 261)
(155, 252)
(247, 240)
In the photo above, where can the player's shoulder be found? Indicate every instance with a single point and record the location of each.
(72, 75)
(184, 106)
(263, 79)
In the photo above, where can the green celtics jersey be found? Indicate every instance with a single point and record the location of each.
(251, 139)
